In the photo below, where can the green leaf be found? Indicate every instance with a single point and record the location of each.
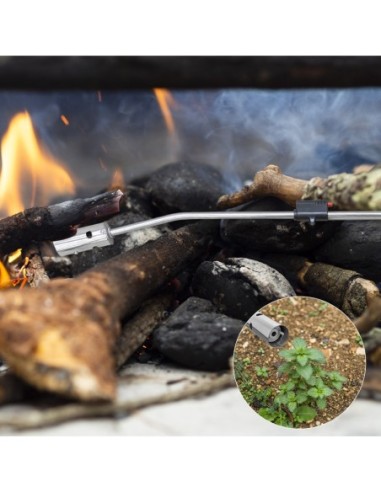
(306, 413)
(280, 400)
(313, 392)
(299, 343)
(302, 359)
(290, 385)
(327, 391)
(312, 381)
(288, 355)
(316, 355)
(301, 397)
(337, 385)
(336, 376)
(284, 368)
(321, 403)
(305, 372)
(268, 414)
(292, 406)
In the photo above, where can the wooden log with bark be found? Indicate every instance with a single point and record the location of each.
(141, 325)
(346, 289)
(55, 221)
(61, 336)
(347, 191)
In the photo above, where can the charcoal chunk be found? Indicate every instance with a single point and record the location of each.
(187, 186)
(197, 336)
(275, 236)
(356, 246)
(238, 287)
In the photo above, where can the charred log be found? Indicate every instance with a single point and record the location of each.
(60, 337)
(55, 221)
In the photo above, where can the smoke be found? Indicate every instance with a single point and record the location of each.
(306, 132)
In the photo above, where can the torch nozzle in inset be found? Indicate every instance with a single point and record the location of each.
(268, 330)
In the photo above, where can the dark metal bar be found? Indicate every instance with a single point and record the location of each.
(143, 72)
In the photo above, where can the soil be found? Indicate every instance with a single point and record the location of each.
(322, 326)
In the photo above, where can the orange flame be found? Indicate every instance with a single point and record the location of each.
(5, 279)
(117, 181)
(28, 170)
(165, 101)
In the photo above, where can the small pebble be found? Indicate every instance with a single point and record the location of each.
(360, 351)
(344, 341)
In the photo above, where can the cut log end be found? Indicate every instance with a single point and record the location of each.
(48, 353)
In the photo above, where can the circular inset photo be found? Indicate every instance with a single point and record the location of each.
(299, 362)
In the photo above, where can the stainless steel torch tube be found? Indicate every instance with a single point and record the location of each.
(268, 329)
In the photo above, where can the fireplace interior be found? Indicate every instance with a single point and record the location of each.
(173, 135)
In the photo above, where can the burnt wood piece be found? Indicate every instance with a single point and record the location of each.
(354, 245)
(139, 72)
(55, 221)
(187, 186)
(275, 236)
(135, 331)
(359, 191)
(61, 337)
(346, 289)
(35, 269)
(238, 287)
(197, 336)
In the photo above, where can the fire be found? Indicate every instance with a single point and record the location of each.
(5, 279)
(165, 101)
(30, 175)
(117, 181)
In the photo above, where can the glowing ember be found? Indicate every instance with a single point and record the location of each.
(29, 175)
(165, 102)
(64, 120)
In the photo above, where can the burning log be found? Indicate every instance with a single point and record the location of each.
(55, 221)
(360, 191)
(60, 337)
(346, 289)
(137, 329)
